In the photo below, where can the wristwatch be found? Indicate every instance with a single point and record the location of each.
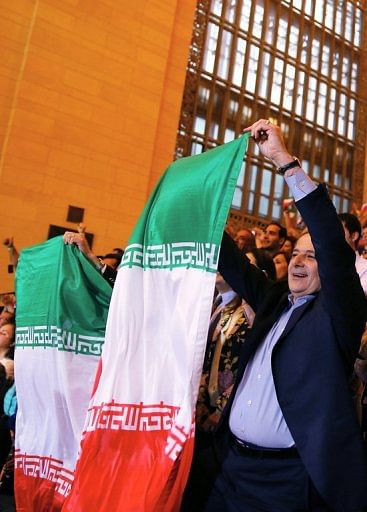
(284, 168)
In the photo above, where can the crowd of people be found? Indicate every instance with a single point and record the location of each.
(265, 279)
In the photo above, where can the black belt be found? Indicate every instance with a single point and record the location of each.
(260, 452)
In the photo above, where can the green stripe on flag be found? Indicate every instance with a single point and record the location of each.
(179, 226)
(62, 300)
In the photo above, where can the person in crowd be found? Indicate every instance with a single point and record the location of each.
(353, 231)
(6, 381)
(13, 253)
(262, 260)
(79, 239)
(288, 245)
(245, 240)
(112, 259)
(281, 262)
(6, 316)
(289, 434)
(118, 250)
(230, 319)
(360, 369)
(274, 237)
(7, 334)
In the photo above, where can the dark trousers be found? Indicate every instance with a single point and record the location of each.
(205, 468)
(251, 484)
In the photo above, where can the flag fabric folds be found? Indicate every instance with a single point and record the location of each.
(138, 436)
(62, 306)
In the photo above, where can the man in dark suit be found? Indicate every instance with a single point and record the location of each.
(294, 443)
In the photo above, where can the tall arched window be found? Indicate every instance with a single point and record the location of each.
(294, 61)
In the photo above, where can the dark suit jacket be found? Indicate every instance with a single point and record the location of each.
(314, 356)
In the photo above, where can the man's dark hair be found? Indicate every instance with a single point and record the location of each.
(352, 224)
(282, 229)
(113, 256)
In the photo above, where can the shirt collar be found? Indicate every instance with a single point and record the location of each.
(300, 300)
(227, 297)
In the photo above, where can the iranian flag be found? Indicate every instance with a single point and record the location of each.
(138, 437)
(62, 306)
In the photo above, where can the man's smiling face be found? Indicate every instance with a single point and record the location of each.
(303, 275)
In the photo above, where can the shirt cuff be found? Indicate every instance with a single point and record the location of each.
(300, 184)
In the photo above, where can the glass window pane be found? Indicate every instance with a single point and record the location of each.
(300, 89)
(321, 107)
(319, 11)
(210, 47)
(293, 41)
(308, 7)
(266, 182)
(258, 19)
(241, 176)
(276, 88)
(245, 15)
(217, 7)
(336, 201)
(237, 198)
(231, 10)
(228, 135)
(325, 60)
(239, 62)
(252, 69)
(329, 14)
(339, 18)
(199, 125)
(342, 114)
(348, 30)
(214, 130)
(224, 55)
(263, 206)
(290, 74)
(345, 71)
(315, 53)
(351, 124)
(253, 175)
(305, 48)
(335, 66)
(282, 34)
(196, 148)
(311, 98)
(354, 77)
(264, 75)
(332, 101)
(278, 186)
(270, 25)
(250, 202)
(276, 210)
(357, 27)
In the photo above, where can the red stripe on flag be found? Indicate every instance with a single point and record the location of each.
(130, 471)
(41, 483)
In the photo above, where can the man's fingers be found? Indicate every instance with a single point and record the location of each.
(259, 130)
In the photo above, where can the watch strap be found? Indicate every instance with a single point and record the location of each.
(284, 168)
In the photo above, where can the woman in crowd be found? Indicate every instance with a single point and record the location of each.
(281, 261)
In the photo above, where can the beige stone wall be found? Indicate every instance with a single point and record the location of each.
(90, 96)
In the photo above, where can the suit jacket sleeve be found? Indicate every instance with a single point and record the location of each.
(340, 285)
(245, 279)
